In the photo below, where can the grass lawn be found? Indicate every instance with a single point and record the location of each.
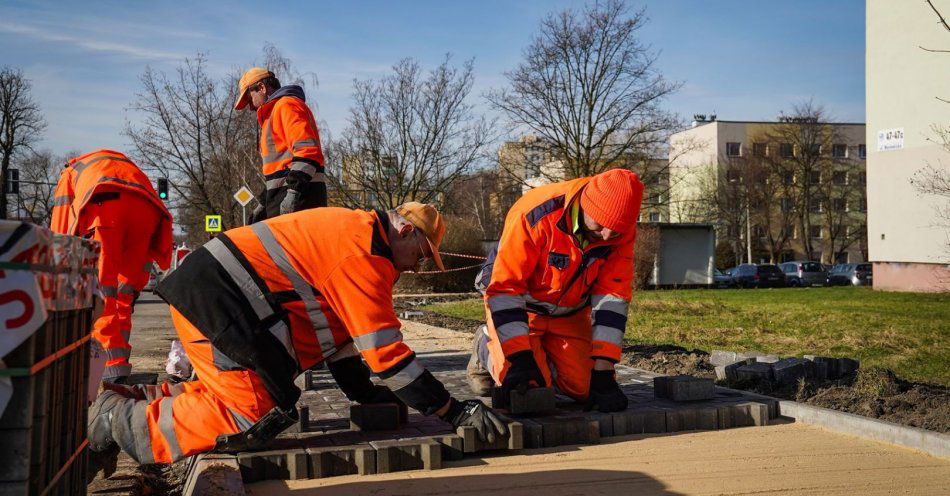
(906, 332)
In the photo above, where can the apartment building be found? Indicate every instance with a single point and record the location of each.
(776, 191)
(529, 163)
(908, 117)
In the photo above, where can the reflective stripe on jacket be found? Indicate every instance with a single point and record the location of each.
(107, 174)
(290, 150)
(539, 267)
(310, 282)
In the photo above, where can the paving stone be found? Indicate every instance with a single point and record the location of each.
(823, 368)
(264, 465)
(472, 444)
(759, 412)
(341, 460)
(627, 422)
(766, 359)
(684, 388)
(562, 430)
(707, 418)
(789, 370)
(415, 454)
(847, 366)
(533, 434)
(534, 400)
(723, 358)
(605, 423)
(453, 446)
(375, 417)
(755, 372)
(654, 421)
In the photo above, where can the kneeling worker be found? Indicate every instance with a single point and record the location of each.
(258, 305)
(557, 291)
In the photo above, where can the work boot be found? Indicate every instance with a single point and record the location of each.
(479, 379)
(99, 428)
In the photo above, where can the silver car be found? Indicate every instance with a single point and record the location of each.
(801, 273)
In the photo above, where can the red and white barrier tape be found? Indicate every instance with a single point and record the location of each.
(457, 269)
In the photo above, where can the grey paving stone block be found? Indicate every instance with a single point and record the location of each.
(513, 440)
(684, 388)
(654, 421)
(627, 422)
(533, 434)
(766, 358)
(759, 412)
(563, 430)
(755, 372)
(298, 465)
(376, 417)
(847, 366)
(707, 419)
(535, 400)
(723, 358)
(414, 454)
(789, 370)
(823, 368)
(605, 423)
(341, 460)
(681, 419)
(728, 372)
(453, 446)
(263, 465)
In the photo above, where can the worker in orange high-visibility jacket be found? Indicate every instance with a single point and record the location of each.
(557, 291)
(293, 164)
(106, 197)
(274, 299)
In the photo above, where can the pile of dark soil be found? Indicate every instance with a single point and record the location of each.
(669, 360)
(414, 304)
(872, 392)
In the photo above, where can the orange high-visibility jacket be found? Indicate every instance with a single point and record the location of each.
(283, 294)
(107, 172)
(290, 150)
(540, 267)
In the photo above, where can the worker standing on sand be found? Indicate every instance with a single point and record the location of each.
(557, 291)
(293, 164)
(258, 305)
(106, 197)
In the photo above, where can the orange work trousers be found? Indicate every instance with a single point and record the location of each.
(561, 347)
(124, 224)
(187, 418)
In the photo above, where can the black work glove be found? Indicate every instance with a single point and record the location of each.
(522, 372)
(605, 393)
(475, 414)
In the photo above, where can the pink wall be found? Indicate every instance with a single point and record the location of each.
(905, 276)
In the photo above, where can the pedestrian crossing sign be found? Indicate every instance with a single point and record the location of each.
(213, 223)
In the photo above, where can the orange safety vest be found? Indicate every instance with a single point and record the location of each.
(282, 295)
(104, 172)
(290, 152)
(540, 267)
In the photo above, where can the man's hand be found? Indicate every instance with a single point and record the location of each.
(605, 393)
(522, 374)
(474, 413)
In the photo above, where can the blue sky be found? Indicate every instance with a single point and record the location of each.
(743, 60)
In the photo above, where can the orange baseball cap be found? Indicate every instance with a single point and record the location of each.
(428, 220)
(251, 77)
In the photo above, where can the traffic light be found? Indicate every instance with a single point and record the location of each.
(163, 188)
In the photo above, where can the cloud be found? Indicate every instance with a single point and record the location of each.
(88, 44)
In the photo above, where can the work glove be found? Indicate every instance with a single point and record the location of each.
(474, 413)
(605, 393)
(289, 202)
(522, 374)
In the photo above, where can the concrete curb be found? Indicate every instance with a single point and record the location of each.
(930, 442)
(211, 474)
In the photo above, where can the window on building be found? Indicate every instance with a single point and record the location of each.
(788, 177)
(654, 217)
(862, 151)
(814, 231)
(788, 231)
(839, 204)
(840, 178)
(732, 175)
(785, 150)
(814, 177)
(732, 149)
(814, 149)
(814, 206)
(758, 231)
(839, 151)
(842, 258)
(787, 205)
(759, 149)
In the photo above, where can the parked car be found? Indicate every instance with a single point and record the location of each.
(851, 274)
(722, 279)
(804, 273)
(758, 276)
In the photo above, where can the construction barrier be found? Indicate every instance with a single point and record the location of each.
(48, 287)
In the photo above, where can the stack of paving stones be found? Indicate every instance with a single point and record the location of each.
(758, 367)
(328, 442)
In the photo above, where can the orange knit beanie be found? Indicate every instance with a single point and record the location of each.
(613, 199)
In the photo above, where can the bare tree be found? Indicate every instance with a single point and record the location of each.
(20, 123)
(39, 173)
(485, 197)
(588, 87)
(409, 136)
